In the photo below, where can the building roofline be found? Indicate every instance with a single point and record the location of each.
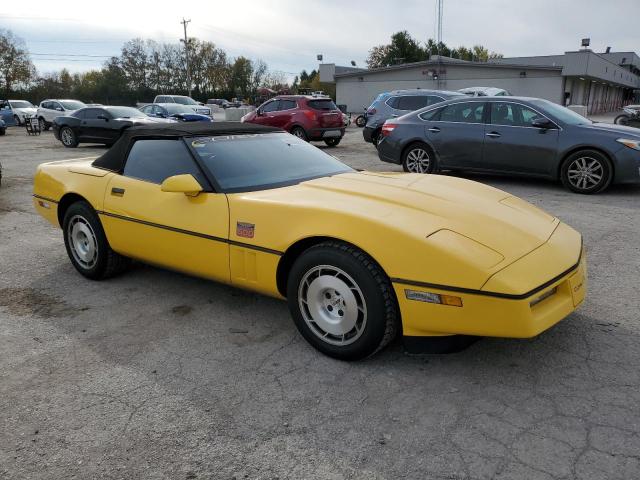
(455, 62)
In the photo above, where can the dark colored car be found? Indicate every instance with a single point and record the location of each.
(306, 117)
(397, 103)
(221, 102)
(514, 135)
(178, 112)
(3, 127)
(99, 124)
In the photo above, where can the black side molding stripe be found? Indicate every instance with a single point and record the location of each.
(193, 234)
(46, 198)
(509, 296)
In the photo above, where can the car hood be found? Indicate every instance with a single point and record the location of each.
(501, 222)
(619, 129)
(26, 110)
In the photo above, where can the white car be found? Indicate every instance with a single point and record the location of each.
(197, 107)
(485, 92)
(52, 108)
(19, 109)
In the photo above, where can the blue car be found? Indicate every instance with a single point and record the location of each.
(175, 111)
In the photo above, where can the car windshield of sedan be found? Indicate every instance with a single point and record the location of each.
(20, 104)
(185, 100)
(562, 113)
(72, 104)
(255, 162)
(125, 112)
(177, 108)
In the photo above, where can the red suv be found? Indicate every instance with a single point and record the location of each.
(306, 117)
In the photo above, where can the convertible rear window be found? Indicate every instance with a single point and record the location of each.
(254, 162)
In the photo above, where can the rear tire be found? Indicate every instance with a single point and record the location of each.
(43, 124)
(332, 142)
(360, 121)
(586, 172)
(341, 301)
(418, 158)
(87, 244)
(375, 137)
(300, 133)
(68, 137)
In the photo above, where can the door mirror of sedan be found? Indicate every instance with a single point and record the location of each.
(60, 109)
(186, 184)
(259, 112)
(542, 122)
(102, 116)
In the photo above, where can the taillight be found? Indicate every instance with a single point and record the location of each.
(372, 111)
(310, 115)
(387, 128)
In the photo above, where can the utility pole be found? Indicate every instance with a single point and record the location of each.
(186, 52)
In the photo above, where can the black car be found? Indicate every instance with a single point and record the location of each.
(514, 135)
(98, 124)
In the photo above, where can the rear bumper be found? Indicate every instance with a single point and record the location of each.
(389, 151)
(319, 133)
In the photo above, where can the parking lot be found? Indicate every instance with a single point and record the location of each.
(155, 374)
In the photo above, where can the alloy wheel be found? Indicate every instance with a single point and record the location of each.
(585, 173)
(82, 240)
(332, 305)
(418, 160)
(67, 136)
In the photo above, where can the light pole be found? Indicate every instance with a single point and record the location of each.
(186, 52)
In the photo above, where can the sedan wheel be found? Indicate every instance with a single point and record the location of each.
(341, 301)
(586, 172)
(417, 159)
(68, 137)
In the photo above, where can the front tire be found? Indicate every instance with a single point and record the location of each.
(418, 158)
(622, 119)
(586, 172)
(87, 244)
(360, 121)
(341, 301)
(300, 133)
(332, 142)
(68, 137)
(43, 124)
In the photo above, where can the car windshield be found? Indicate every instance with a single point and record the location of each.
(177, 108)
(185, 100)
(20, 104)
(562, 113)
(125, 112)
(254, 162)
(72, 104)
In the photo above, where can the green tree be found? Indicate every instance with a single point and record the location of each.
(402, 49)
(16, 67)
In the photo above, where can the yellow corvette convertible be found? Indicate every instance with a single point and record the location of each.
(359, 256)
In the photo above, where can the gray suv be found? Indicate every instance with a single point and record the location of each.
(397, 103)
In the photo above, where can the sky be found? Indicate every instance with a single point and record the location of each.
(288, 34)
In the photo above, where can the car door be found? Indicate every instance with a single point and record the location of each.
(512, 144)
(148, 110)
(181, 232)
(94, 128)
(409, 103)
(282, 117)
(6, 113)
(267, 112)
(53, 110)
(456, 132)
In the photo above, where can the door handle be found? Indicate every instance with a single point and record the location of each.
(493, 134)
(117, 191)
(434, 129)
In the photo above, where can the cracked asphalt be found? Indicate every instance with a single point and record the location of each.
(155, 374)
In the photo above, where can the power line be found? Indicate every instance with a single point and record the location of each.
(71, 55)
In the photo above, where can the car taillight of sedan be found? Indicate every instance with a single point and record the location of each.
(387, 128)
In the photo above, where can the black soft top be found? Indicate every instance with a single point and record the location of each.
(114, 158)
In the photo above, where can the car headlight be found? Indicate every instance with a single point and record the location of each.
(635, 144)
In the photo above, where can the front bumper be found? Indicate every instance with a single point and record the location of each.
(487, 312)
(56, 130)
(627, 166)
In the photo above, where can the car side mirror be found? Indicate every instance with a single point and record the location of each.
(185, 183)
(542, 122)
(259, 112)
(103, 117)
(60, 109)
